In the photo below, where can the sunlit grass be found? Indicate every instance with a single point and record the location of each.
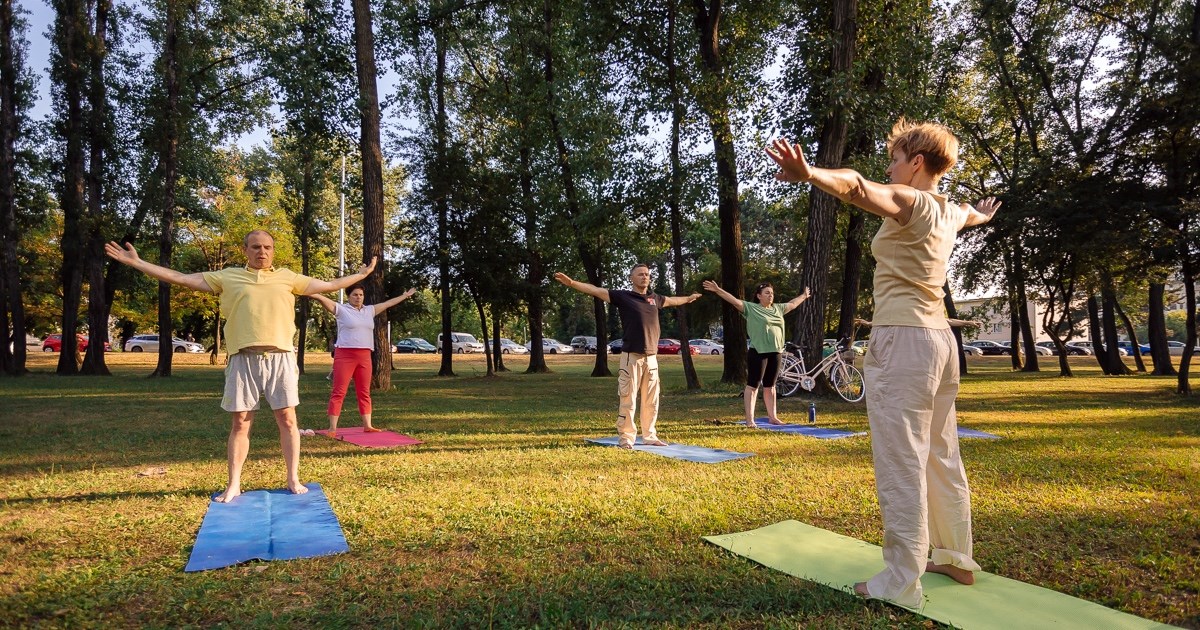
(505, 517)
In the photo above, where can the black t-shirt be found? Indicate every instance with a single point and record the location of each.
(639, 318)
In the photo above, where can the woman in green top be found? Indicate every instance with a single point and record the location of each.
(764, 324)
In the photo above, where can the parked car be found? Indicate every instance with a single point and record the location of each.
(1077, 348)
(415, 345)
(551, 346)
(1041, 350)
(989, 348)
(508, 346)
(461, 343)
(673, 346)
(53, 343)
(1176, 348)
(971, 351)
(1091, 350)
(707, 346)
(862, 344)
(582, 344)
(614, 346)
(31, 344)
(149, 343)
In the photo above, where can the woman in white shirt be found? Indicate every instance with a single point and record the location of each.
(352, 353)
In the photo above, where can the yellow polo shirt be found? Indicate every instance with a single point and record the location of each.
(259, 305)
(911, 261)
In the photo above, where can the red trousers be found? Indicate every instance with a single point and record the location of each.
(351, 363)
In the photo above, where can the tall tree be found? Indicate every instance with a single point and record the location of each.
(12, 310)
(97, 217)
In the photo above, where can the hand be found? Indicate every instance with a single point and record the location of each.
(807, 294)
(790, 158)
(709, 285)
(693, 297)
(366, 270)
(988, 207)
(407, 294)
(128, 255)
(563, 278)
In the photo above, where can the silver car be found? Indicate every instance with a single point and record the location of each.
(508, 346)
(552, 346)
(149, 343)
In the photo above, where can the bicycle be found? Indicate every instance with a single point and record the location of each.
(846, 379)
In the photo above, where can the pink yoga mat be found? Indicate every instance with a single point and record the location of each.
(382, 439)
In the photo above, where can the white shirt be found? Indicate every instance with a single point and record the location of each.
(356, 327)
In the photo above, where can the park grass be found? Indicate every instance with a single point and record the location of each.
(505, 518)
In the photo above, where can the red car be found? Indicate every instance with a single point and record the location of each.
(53, 343)
(672, 346)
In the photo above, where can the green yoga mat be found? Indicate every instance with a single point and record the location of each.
(839, 561)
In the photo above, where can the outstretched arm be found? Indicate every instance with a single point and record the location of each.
(582, 287)
(963, 323)
(329, 304)
(129, 256)
(709, 285)
(679, 300)
(980, 213)
(885, 200)
(329, 286)
(796, 301)
(386, 304)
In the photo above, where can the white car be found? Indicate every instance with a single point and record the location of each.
(508, 346)
(551, 346)
(707, 346)
(1088, 346)
(972, 351)
(461, 343)
(149, 343)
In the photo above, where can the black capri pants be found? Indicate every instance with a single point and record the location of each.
(761, 368)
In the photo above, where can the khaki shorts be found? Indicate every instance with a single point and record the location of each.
(251, 376)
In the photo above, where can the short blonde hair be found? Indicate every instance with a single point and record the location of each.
(935, 142)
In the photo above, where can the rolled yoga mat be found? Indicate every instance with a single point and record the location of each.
(267, 525)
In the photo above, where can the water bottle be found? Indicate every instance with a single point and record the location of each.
(812, 413)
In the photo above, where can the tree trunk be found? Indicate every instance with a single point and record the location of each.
(98, 309)
(72, 48)
(952, 313)
(1111, 340)
(1014, 318)
(717, 110)
(1183, 385)
(1156, 331)
(483, 329)
(674, 199)
(823, 207)
(13, 309)
(304, 231)
(1095, 334)
(497, 351)
(372, 182)
(1031, 357)
(168, 159)
(589, 254)
(851, 270)
(1134, 348)
(537, 272)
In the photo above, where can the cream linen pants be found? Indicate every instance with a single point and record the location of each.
(638, 379)
(912, 381)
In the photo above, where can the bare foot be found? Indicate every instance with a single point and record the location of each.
(752, 424)
(653, 442)
(958, 574)
(230, 494)
(775, 421)
(860, 589)
(371, 430)
(625, 445)
(296, 487)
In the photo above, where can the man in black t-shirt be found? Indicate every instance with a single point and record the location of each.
(639, 364)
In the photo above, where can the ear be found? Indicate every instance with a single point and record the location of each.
(917, 161)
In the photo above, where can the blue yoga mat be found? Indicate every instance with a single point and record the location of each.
(972, 433)
(267, 525)
(823, 433)
(685, 452)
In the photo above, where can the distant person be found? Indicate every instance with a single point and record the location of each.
(638, 381)
(912, 368)
(352, 351)
(258, 303)
(764, 325)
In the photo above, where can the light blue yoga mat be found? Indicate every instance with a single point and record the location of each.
(993, 603)
(824, 433)
(685, 452)
(267, 525)
(972, 433)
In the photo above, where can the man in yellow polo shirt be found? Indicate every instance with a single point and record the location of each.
(258, 303)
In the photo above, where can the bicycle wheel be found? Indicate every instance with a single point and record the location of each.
(848, 382)
(788, 381)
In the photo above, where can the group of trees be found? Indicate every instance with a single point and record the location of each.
(529, 136)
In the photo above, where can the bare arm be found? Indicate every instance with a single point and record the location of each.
(796, 301)
(679, 300)
(582, 287)
(962, 323)
(329, 304)
(886, 200)
(329, 286)
(386, 304)
(980, 213)
(709, 285)
(129, 256)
